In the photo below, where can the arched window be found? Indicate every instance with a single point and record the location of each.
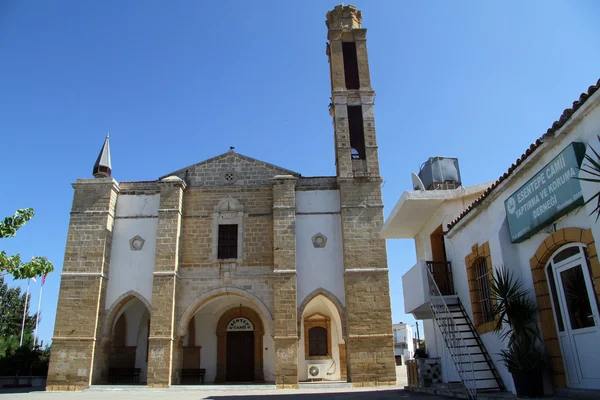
(317, 341)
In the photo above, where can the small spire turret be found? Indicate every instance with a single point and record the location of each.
(103, 167)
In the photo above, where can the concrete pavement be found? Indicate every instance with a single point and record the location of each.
(316, 391)
(215, 392)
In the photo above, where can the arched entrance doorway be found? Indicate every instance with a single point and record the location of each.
(539, 262)
(240, 346)
(576, 314)
(128, 354)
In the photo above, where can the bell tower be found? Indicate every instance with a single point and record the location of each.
(369, 341)
(352, 97)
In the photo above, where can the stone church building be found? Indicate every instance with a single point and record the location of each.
(234, 268)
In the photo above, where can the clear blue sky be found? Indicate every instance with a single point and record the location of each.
(178, 82)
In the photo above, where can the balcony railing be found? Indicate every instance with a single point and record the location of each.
(442, 274)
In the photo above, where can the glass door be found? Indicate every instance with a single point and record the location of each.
(576, 312)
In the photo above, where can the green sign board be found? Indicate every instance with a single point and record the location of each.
(550, 194)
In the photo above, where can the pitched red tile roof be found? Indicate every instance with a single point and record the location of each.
(549, 133)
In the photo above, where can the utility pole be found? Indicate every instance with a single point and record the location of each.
(418, 336)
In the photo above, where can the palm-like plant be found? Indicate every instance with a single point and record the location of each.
(592, 167)
(515, 316)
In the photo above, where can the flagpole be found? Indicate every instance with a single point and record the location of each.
(24, 313)
(37, 316)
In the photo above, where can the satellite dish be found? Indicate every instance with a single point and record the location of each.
(416, 181)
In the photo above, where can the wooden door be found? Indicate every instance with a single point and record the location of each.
(240, 357)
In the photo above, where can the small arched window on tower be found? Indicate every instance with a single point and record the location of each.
(317, 341)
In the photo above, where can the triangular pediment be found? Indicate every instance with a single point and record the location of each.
(316, 317)
(230, 169)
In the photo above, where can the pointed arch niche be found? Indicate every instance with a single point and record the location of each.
(322, 336)
(129, 338)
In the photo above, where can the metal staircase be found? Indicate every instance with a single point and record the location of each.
(487, 378)
(473, 364)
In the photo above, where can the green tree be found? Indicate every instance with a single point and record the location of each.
(13, 265)
(26, 360)
(12, 303)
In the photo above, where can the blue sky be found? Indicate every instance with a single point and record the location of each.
(180, 82)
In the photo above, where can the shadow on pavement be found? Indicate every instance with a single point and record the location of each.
(21, 389)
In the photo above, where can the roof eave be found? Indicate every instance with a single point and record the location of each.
(547, 140)
(412, 198)
(182, 170)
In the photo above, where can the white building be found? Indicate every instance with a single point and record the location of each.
(531, 221)
(403, 343)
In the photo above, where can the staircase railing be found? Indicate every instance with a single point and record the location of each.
(456, 345)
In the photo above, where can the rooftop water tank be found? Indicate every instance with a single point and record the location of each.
(440, 173)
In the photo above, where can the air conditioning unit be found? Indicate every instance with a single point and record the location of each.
(315, 371)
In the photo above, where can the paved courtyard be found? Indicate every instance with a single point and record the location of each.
(223, 393)
(231, 392)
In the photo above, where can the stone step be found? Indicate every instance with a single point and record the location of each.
(231, 387)
(115, 388)
(226, 387)
(325, 385)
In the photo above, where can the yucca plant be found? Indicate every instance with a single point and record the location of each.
(512, 308)
(515, 316)
(592, 168)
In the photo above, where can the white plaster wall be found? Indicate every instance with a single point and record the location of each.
(436, 348)
(403, 334)
(142, 345)
(311, 201)
(206, 320)
(133, 317)
(410, 344)
(415, 287)
(132, 269)
(324, 307)
(136, 334)
(318, 212)
(447, 212)
(206, 328)
(430, 334)
(490, 225)
(138, 205)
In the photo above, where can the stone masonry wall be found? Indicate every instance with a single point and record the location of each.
(162, 322)
(362, 219)
(248, 171)
(368, 311)
(369, 341)
(83, 286)
(284, 242)
(198, 209)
